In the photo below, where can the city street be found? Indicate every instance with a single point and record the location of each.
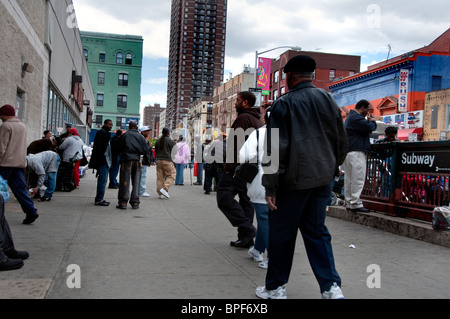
(178, 248)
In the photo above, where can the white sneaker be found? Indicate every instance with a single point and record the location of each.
(334, 293)
(145, 194)
(279, 293)
(255, 254)
(161, 197)
(264, 264)
(164, 192)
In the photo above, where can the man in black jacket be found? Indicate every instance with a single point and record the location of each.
(101, 161)
(358, 130)
(312, 144)
(132, 146)
(240, 214)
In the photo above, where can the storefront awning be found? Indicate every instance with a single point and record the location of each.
(404, 134)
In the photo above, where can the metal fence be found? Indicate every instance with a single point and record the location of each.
(408, 179)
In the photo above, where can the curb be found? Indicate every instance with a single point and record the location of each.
(401, 226)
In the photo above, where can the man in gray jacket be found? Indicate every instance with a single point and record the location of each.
(132, 145)
(44, 164)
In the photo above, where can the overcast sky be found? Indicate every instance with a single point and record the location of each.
(355, 27)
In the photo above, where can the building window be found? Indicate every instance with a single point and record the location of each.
(128, 59)
(100, 99)
(99, 120)
(122, 101)
(434, 117)
(119, 58)
(102, 57)
(121, 122)
(101, 78)
(332, 74)
(123, 79)
(276, 76)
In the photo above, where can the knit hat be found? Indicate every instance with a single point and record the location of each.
(300, 63)
(7, 110)
(74, 132)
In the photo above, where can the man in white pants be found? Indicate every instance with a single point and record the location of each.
(358, 131)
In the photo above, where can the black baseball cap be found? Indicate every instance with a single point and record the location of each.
(300, 63)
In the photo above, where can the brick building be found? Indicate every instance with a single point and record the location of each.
(329, 67)
(151, 118)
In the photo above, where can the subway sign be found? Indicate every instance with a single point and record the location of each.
(428, 161)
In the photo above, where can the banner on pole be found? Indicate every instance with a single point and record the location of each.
(263, 75)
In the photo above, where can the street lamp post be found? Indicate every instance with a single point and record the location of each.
(259, 53)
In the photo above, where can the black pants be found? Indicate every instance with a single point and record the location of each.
(240, 214)
(211, 171)
(129, 170)
(6, 242)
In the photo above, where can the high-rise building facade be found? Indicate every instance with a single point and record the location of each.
(115, 68)
(196, 54)
(150, 118)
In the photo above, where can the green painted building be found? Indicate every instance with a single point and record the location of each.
(115, 69)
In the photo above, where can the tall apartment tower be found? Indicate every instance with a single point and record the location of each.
(196, 54)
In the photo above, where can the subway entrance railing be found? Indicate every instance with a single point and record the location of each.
(408, 179)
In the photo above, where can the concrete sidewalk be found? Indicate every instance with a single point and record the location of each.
(179, 249)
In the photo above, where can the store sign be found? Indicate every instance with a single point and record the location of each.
(403, 91)
(407, 120)
(135, 119)
(424, 161)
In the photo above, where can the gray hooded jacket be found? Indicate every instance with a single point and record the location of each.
(43, 163)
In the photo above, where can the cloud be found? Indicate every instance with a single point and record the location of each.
(134, 17)
(158, 81)
(356, 27)
(159, 97)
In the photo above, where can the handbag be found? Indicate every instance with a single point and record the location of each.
(248, 170)
(84, 160)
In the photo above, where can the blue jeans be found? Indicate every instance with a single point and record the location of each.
(262, 231)
(50, 181)
(102, 179)
(143, 185)
(304, 210)
(114, 171)
(16, 181)
(179, 177)
(200, 173)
